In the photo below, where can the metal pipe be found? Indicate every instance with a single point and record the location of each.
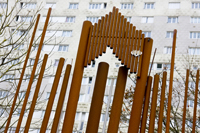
(116, 33)
(114, 27)
(102, 38)
(111, 25)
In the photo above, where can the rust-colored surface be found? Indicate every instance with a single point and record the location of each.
(99, 46)
(37, 89)
(146, 105)
(140, 89)
(95, 41)
(107, 30)
(118, 100)
(154, 103)
(185, 100)
(103, 34)
(140, 58)
(61, 99)
(134, 48)
(138, 47)
(111, 26)
(22, 74)
(195, 102)
(116, 33)
(92, 43)
(33, 72)
(114, 26)
(171, 81)
(162, 100)
(76, 80)
(97, 98)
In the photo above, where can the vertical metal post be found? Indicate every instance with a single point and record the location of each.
(22, 74)
(140, 88)
(76, 80)
(118, 100)
(185, 100)
(97, 98)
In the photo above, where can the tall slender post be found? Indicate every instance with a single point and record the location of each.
(185, 100)
(22, 74)
(118, 100)
(195, 102)
(37, 89)
(162, 100)
(140, 88)
(97, 98)
(146, 105)
(76, 79)
(171, 81)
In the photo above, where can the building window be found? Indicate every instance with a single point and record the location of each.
(12, 61)
(108, 83)
(90, 80)
(67, 33)
(81, 97)
(27, 78)
(195, 67)
(3, 94)
(55, 19)
(128, 19)
(73, 5)
(194, 51)
(126, 5)
(21, 95)
(147, 19)
(159, 66)
(8, 77)
(93, 19)
(27, 5)
(97, 5)
(63, 48)
(194, 35)
(195, 5)
(19, 32)
(172, 20)
(166, 66)
(117, 65)
(167, 50)
(93, 63)
(174, 5)
(3, 5)
(23, 18)
(149, 5)
(32, 61)
(77, 117)
(195, 20)
(56, 62)
(48, 5)
(147, 33)
(169, 34)
(190, 103)
(70, 19)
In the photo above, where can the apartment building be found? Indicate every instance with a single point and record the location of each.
(157, 19)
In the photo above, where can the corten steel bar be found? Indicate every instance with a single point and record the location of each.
(140, 58)
(33, 73)
(129, 57)
(140, 88)
(146, 105)
(171, 81)
(154, 103)
(92, 42)
(195, 102)
(61, 99)
(116, 33)
(107, 30)
(111, 26)
(118, 100)
(37, 89)
(99, 41)
(138, 48)
(152, 61)
(128, 28)
(114, 26)
(162, 100)
(76, 80)
(134, 48)
(22, 74)
(128, 45)
(87, 61)
(52, 96)
(99, 38)
(125, 29)
(104, 29)
(96, 38)
(120, 34)
(97, 98)
(185, 101)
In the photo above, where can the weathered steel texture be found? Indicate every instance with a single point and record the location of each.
(138, 47)
(34, 100)
(171, 81)
(118, 100)
(52, 96)
(76, 80)
(140, 58)
(134, 48)
(195, 103)
(111, 25)
(154, 103)
(140, 88)
(146, 105)
(33, 72)
(185, 100)
(61, 99)
(22, 74)
(97, 98)
(162, 100)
